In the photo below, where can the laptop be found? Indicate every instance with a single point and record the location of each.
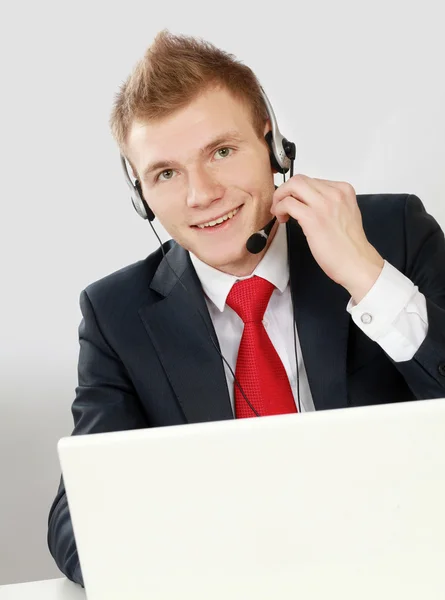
(346, 503)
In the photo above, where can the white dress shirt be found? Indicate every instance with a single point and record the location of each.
(393, 314)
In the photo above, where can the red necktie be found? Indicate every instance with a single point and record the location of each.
(259, 369)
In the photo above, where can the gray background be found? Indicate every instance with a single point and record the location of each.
(359, 86)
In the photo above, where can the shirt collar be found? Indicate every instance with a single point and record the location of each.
(273, 267)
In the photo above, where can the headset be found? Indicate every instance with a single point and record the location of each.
(282, 155)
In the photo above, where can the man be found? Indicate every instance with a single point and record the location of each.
(359, 280)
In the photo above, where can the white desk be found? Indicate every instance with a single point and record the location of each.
(52, 589)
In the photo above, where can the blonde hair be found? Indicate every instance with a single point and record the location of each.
(174, 70)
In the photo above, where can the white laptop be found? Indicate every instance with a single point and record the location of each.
(346, 504)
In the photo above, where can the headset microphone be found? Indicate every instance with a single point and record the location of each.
(257, 242)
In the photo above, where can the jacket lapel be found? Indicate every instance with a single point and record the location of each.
(181, 330)
(322, 323)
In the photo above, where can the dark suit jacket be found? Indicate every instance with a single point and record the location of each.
(146, 358)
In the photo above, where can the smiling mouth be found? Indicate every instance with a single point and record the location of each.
(220, 220)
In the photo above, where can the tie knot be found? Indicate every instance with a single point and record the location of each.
(249, 298)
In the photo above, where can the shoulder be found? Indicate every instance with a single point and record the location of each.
(380, 205)
(129, 284)
(383, 217)
(396, 224)
(404, 211)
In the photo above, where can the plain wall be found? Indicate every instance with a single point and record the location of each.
(358, 86)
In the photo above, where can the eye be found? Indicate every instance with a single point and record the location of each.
(223, 152)
(165, 175)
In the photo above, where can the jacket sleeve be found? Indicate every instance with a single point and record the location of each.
(425, 266)
(105, 401)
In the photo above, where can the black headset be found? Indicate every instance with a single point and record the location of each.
(282, 155)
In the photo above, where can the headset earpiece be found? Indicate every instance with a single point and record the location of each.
(149, 214)
(288, 148)
(137, 197)
(282, 152)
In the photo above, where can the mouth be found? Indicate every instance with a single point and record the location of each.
(221, 222)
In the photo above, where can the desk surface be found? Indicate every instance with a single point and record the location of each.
(52, 589)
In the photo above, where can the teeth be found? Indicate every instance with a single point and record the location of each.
(220, 220)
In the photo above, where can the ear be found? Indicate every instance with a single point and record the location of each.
(133, 172)
(267, 127)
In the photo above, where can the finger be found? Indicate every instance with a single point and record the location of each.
(290, 207)
(342, 186)
(300, 188)
(337, 192)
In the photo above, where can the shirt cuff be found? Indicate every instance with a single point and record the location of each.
(384, 302)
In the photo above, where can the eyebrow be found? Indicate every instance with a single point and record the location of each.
(229, 136)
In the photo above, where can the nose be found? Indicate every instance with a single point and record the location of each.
(203, 189)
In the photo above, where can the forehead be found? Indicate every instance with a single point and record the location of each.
(190, 128)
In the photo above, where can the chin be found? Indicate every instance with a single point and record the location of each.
(220, 259)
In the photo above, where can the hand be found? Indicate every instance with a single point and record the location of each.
(332, 223)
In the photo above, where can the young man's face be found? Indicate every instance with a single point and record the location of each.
(201, 164)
